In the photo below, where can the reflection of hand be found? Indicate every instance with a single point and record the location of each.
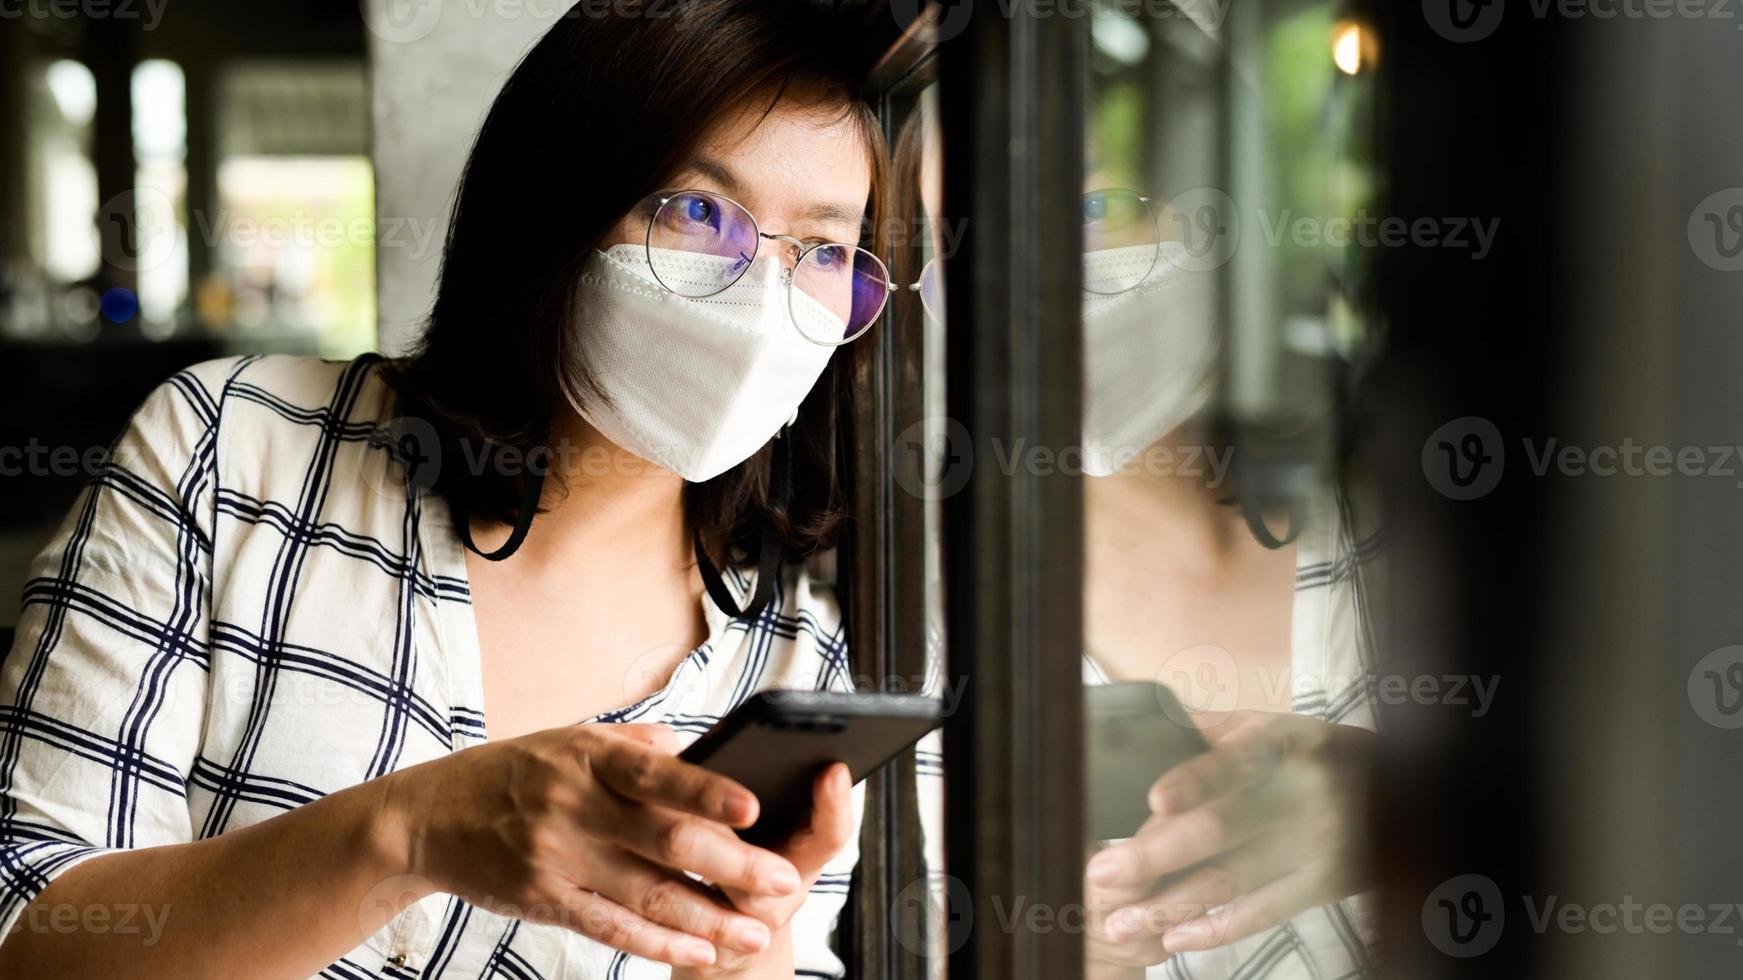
(810, 849)
(1266, 825)
(1110, 958)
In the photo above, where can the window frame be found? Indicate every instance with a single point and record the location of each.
(1012, 105)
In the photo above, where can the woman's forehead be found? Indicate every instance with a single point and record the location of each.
(805, 165)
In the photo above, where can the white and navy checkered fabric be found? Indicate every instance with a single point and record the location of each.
(246, 611)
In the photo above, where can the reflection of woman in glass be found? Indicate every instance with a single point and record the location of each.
(313, 716)
(1250, 861)
(1253, 851)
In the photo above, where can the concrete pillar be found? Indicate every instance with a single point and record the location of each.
(436, 66)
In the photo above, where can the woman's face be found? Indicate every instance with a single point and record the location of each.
(801, 171)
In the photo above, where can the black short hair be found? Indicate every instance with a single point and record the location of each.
(606, 108)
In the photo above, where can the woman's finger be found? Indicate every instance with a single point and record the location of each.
(1166, 845)
(680, 903)
(830, 826)
(686, 843)
(829, 829)
(640, 772)
(1242, 870)
(1232, 765)
(611, 924)
(1272, 904)
(1102, 945)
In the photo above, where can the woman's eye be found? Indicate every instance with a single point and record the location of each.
(1095, 208)
(693, 212)
(830, 256)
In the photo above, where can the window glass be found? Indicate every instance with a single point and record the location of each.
(1225, 556)
(922, 239)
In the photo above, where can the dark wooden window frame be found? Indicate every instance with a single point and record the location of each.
(1011, 109)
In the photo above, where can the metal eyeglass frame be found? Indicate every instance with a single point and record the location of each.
(665, 197)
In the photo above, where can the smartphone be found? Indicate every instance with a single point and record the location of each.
(776, 742)
(1135, 732)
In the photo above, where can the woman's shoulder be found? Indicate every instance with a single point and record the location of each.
(257, 435)
(292, 390)
(301, 389)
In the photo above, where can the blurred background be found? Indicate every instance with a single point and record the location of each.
(177, 182)
(195, 179)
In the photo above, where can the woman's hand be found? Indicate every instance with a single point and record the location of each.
(1266, 825)
(590, 827)
(810, 849)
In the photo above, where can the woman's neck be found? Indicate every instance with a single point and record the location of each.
(1173, 497)
(601, 502)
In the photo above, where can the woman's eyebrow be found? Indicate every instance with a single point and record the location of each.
(719, 173)
(831, 213)
(839, 216)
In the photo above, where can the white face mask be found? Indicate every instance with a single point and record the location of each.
(695, 385)
(1149, 353)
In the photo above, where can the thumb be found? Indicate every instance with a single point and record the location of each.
(831, 825)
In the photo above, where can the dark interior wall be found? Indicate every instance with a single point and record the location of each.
(1476, 131)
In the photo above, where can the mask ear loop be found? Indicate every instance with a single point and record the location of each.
(768, 560)
(1254, 512)
(532, 487)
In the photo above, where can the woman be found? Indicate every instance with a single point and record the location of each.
(282, 717)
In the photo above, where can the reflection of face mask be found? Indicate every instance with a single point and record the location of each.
(1149, 353)
(695, 385)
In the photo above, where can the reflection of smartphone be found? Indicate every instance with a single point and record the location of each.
(775, 744)
(1136, 731)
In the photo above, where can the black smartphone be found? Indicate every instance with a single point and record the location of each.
(776, 742)
(1136, 731)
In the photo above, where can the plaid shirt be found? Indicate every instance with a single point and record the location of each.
(246, 611)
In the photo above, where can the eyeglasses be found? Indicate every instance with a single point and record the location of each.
(1122, 242)
(699, 243)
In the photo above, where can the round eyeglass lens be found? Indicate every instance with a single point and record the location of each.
(1120, 241)
(700, 243)
(838, 292)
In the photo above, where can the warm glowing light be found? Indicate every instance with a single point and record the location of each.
(1346, 48)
